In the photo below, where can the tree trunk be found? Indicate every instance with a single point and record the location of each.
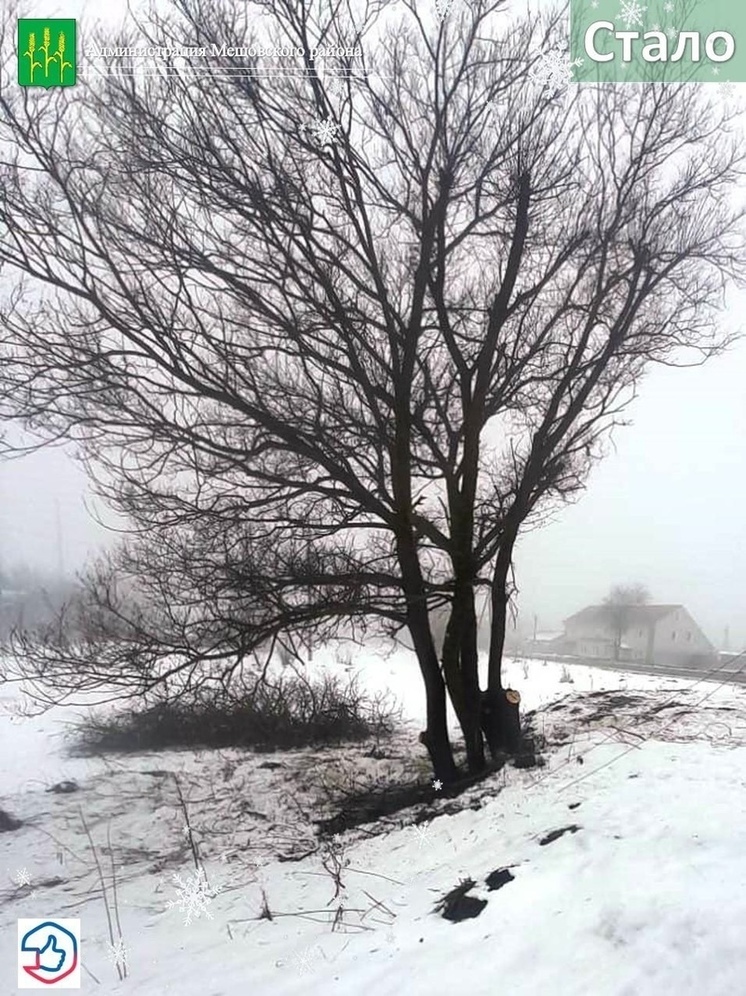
(451, 659)
(499, 606)
(501, 721)
(460, 668)
(436, 736)
(470, 678)
(418, 621)
(500, 713)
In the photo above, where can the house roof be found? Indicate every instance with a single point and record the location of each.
(638, 614)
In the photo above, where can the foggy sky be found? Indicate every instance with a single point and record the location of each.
(666, 508)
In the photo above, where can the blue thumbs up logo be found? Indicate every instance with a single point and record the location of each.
(49, 954)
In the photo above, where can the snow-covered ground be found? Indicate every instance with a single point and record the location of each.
(643, 894)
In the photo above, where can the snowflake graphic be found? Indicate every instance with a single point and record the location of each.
(305, 960)
(672, 33)
(423, 833)
(437, 784)
(668, 6)
(631, 12)
(444, 7)
(727, 88)
(331, 78)
(194, 895)
(323, 130)
(553, 71)
(186, 830)
(21, 878)
(117, 954)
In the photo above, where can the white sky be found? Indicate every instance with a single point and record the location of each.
(665, 509)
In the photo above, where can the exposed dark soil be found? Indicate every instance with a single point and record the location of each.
(8, 822)
(456, 905)
(556, 834)
(498, 878)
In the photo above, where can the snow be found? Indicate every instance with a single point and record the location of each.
(646, 897)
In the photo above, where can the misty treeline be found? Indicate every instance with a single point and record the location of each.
(328, 380)
(31, 597)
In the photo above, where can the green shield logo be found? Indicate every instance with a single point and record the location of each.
(47, 52)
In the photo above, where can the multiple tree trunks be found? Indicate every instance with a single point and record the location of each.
(500, 722)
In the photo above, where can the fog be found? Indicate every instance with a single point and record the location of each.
(46, 513)
(665, 507)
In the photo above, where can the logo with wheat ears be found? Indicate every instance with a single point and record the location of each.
(46, 52)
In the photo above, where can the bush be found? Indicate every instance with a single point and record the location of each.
(290, 712)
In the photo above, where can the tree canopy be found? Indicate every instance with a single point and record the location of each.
(327, 353)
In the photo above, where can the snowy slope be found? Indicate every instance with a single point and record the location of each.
(646, 896)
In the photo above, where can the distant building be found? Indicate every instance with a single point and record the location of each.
(546, 644)
(650, 634)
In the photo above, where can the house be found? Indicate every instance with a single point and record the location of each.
(650, 634)
(548, 644)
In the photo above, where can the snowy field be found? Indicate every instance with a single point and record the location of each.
(627, 851)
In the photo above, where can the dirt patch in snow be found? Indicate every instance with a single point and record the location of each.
(8, 822)
(457, 905)
(556, 834)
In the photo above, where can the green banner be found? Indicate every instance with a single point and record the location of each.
(702, 41)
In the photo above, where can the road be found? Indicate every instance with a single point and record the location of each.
(732, 673)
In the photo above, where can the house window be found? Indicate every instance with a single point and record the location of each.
(689, 635)
(673, 635)
(639, 632)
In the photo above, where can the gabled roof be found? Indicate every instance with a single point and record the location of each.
(637, 614)
(548, 636)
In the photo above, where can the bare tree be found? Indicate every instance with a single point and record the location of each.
(328, 353)
(621, 602)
